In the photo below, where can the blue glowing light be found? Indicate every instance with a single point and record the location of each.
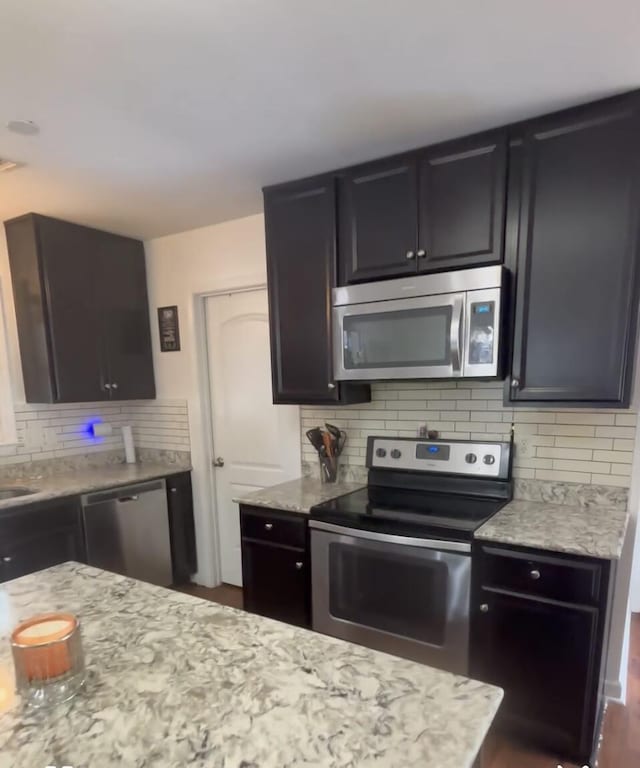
(87, 430)
(433, 449)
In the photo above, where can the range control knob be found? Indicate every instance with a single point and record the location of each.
(395, 454)
(489, 459)
(471, 458)
(381, 453)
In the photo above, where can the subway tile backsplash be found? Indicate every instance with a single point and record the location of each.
(592, 447)
(57, 431)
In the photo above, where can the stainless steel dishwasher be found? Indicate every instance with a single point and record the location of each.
(127, 531)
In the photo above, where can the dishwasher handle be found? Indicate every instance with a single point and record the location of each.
(123, 494)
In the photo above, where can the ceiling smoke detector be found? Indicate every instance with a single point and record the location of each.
(7, 165)
(23, 127)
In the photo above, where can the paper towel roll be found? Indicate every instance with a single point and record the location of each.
(129, 447)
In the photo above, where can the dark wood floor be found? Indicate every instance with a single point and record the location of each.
(224, 594)
(621, 733)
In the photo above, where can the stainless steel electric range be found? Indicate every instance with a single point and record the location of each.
(391, 563)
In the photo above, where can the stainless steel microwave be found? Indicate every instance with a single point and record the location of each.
(436, 326)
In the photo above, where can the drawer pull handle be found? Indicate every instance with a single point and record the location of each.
(7, 559)
(268, 526)
(299, 565)
(535, 574)
(484, 608)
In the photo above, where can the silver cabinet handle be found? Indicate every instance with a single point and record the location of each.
(515, 383)
(107, 386)
(114, 385)
(7, 559)
(219, 462)
(331, 385)
(410, 255)
(124, 499)
(535, 574)
(299, 566)
(421, 253)
(173, 490)
(268, 526)
(484, 608)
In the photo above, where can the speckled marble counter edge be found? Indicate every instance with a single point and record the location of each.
(74, 476)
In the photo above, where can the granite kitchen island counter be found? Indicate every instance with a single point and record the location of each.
(178, 682)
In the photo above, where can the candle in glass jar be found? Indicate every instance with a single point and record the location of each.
(42, 642)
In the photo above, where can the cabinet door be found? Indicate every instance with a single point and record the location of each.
(462, 202)
(544, 655)
(301, 249)
(577, 273)
(378, 214)
(33, 538)
(276, 582)
(70, 275)
(125, 310)
(181, 527)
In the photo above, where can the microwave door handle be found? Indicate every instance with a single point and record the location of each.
(456, 334)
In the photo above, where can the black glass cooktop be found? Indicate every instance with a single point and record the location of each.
(407, 512)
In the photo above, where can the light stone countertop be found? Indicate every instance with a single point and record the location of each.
(178, 682)
(594, 531)
(85, 480)
(298, 495)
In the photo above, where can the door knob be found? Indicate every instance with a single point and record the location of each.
(410, 255)
(331, 385)
(421, 253)
(535, 574)
(299, 565)
(484, 608)
(268, 526)
(515, 383)
(219, 462)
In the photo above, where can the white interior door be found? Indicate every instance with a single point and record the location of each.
(257, 443)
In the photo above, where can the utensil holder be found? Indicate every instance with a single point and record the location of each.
(48, 658)
(328, 469)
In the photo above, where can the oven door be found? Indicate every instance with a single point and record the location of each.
(413, 338)
(408, 597)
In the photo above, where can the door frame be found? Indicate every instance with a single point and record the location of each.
(204, 391)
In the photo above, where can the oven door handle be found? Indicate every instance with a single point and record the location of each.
(455, 339)
(388, 538)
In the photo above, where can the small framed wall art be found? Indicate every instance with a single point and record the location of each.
(169, 329)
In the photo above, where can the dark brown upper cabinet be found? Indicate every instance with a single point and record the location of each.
(440, 208)
(378, 220)
(572, 235)
(462, 203)
(82, 312)
(300, 223)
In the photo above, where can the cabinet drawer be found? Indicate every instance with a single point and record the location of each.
(272, 525)
(541, 575)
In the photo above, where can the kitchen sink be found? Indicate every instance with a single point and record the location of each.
(13, 493)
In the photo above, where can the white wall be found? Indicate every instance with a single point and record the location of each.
(179, 268)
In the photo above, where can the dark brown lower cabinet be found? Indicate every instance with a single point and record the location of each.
(275, 565)
(181, 527)
(40, 535)
(546, 653)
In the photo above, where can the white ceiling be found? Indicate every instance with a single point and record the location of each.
(158, 116)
